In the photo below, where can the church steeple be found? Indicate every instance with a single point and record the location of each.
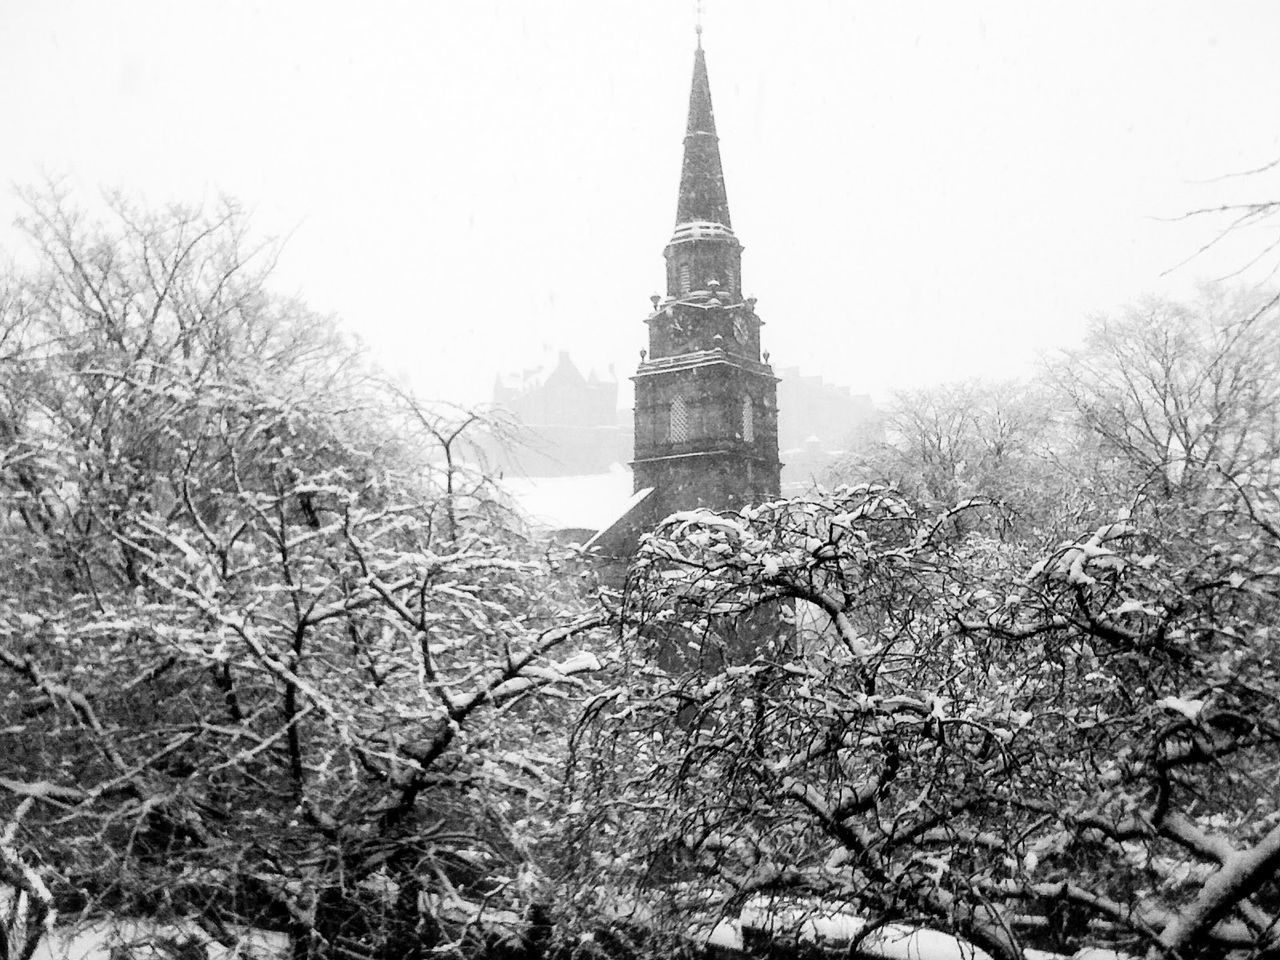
(702, 193)
(703, 256)
(706, 403)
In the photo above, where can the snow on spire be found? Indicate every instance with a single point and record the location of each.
(702, 192)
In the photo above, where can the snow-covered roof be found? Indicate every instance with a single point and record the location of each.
(590, 502)
(603, 532)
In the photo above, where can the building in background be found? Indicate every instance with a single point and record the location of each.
(564, 424)
(818, 424)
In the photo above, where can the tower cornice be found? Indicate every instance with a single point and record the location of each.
(701, 230)
(703, 358)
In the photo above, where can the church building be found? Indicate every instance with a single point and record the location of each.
(706, 411)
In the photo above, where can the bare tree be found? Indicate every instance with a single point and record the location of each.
(1055, 747)
(1166, 384)
(246, 674)
(971, 438)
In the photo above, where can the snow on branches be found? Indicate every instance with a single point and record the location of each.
(1072, 749)
(263, 642)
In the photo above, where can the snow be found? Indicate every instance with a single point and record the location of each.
(1188, 708)
(903, 943)
(95, 941)
(726, 934)
(1132, 606)
(590, 502)
(619, 515)
(707, 518)
(893, 941)
(579, 663)
(1112, 531)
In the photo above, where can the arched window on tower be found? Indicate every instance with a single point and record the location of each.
(685, 281)
(748, 420)
(678, 430)
(728, 280)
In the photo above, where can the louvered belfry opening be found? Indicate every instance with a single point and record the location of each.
(678, 431)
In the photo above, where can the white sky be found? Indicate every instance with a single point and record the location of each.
(926, 190)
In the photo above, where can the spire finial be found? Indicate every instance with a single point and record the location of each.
(697, 26)
(702, 196)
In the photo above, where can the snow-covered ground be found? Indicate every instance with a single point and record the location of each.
(810, 923)
(101, 940)
(893, 942)
(98, 941)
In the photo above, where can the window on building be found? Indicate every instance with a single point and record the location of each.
(679, 426)
(684, 278)
(748, 420)
(728, 280)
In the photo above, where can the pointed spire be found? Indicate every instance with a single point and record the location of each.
(702, 193)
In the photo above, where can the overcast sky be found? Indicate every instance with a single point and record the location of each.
(925, 190)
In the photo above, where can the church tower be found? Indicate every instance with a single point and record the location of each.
(706, 411)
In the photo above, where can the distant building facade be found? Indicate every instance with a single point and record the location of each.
(565, 424)
(818, 423)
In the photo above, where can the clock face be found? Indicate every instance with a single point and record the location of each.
(740, 328)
